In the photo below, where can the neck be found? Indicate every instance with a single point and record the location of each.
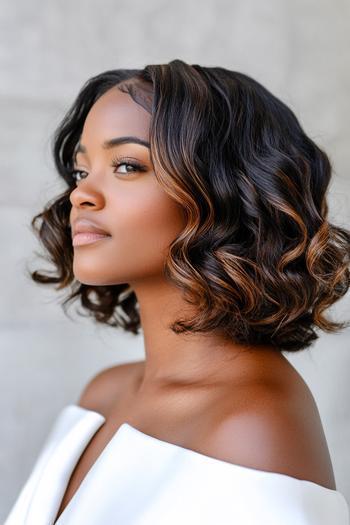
(171, 358)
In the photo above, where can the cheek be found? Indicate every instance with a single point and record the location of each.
(146, 223)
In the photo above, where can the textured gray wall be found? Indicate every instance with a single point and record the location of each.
(299, 50)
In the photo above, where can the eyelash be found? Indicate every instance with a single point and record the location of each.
(116, 162)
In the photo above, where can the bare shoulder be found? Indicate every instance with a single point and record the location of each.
(276, 429)
(103, 388)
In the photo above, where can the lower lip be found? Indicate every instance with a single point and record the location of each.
(88, 238)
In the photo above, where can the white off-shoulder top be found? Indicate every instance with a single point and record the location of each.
(139, 479)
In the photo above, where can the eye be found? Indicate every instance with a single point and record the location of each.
(127, 162)
(75, 174)
(116, 163)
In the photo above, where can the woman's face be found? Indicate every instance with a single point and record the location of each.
(128, 203)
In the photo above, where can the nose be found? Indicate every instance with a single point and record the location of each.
(85, 196)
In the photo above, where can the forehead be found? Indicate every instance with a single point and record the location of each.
(115, 114)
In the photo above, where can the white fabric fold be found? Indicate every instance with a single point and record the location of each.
(141, 480)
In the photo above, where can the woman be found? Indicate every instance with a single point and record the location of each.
(194, 209)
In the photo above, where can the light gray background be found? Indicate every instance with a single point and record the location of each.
(298, 49)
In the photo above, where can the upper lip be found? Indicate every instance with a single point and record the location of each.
(86, 225)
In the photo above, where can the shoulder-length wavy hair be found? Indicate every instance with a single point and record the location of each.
(257, 257)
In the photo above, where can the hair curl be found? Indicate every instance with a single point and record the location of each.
(257, 257)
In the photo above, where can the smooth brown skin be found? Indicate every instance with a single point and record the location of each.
(244, 405)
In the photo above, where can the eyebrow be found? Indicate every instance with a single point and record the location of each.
(108, 144)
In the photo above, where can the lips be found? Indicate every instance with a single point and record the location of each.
(88, 226)
(86, 231)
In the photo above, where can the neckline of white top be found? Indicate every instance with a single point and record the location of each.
(210, 459)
